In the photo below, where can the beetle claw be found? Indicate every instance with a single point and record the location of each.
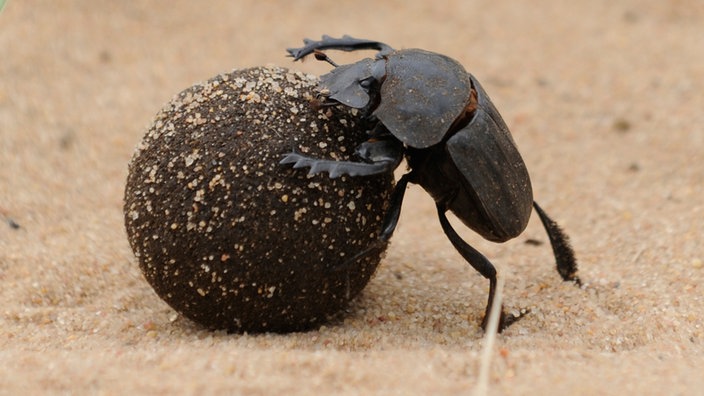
(290, 158)
(511, 318)
(506, 319)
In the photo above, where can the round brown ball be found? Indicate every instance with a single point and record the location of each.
(233, 240)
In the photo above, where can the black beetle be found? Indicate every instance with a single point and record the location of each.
(426, 107)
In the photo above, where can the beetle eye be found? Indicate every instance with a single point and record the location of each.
(366, 83)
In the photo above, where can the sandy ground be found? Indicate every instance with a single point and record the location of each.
(603, 98)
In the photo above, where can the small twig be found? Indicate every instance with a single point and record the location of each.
(638, 254)
(492, 328)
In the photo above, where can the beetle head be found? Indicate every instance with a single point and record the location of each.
(349, 84)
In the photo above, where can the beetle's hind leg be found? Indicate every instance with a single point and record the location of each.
(560, 242)
(479, 263)
(346, 43)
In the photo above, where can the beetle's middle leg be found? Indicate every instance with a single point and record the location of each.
(388, 226)
(479, 263)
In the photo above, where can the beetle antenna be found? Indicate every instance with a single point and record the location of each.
(561, 248)
(322, 56)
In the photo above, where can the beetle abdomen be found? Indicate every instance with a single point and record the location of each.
(487, 158)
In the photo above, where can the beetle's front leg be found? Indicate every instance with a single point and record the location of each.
(346, 43)
(334, 169)
(380, 156)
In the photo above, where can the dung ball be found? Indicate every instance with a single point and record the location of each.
(233, 240)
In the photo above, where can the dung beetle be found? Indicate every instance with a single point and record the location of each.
(426, 107)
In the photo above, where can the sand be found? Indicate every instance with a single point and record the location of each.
(603, 99)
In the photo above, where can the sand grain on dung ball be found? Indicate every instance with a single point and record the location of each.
(227, 236)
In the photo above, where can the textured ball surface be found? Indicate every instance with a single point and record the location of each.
(233, 240)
